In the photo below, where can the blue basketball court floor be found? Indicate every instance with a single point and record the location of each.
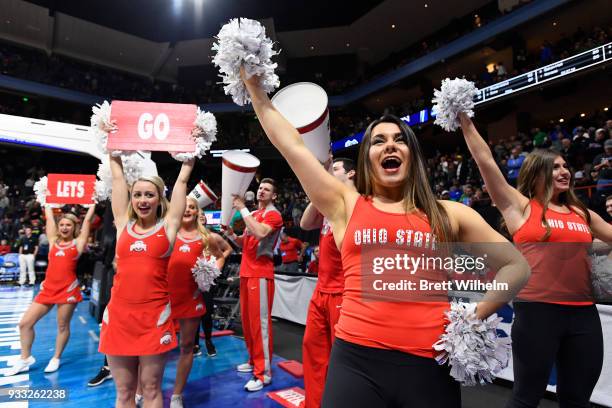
(213, 381)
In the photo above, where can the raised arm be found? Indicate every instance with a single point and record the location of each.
(508, 200)
(120, 194)
(50, 225)
(601, 229)
(327, 193)
(85, 228)
(500, 254)
(178, 200)
(311, 219)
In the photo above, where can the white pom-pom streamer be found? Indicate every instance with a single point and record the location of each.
(101, 125)
(104, 184)
(132, 167)
(40, 189)
(243, 42)
(455, 96)
(205, 271)
(471, 346)
(601, 278)
(206, 134)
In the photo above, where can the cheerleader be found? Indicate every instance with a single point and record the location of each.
(60, 287)
(137, 329)
(383, 353)
(188, 305)
(222, 251)
(556, 322)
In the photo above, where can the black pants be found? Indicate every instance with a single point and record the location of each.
(368, 377)
(568, 336)
(207, 322)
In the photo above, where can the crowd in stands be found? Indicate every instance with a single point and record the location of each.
(453, 176)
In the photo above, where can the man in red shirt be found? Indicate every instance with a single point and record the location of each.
(326, 301)
(5, 248)
(257, 281)
(313, 266)
(289, 248)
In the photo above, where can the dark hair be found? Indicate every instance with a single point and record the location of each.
(608, 198)
(270, 181)
(416, 189)
(348, 164)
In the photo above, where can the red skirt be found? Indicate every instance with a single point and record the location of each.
(137, 329)
(59, 294)
(186, 305)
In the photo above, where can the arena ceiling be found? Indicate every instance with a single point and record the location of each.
(156, 37)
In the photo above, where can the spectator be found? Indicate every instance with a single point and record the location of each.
(466, 197)
(5, 248)
(514, 163)
(292, 253)
(28, 249)
(603, 165)
(313, 266)
(609, 207)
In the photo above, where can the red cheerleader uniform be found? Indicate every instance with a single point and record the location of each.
(323, 314)
(185, 297)
(61, 285)
(137, 320)
(404, 324)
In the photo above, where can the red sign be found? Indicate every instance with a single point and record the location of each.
(70, 188)
(152, 126)
(288, 398)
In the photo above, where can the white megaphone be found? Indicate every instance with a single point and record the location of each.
(203, 194)
(304, 105)
(237, 173)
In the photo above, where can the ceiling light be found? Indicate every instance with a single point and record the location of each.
(120, 53)
(426, 5)
(392, 25)
(554, 23)
(177, 58)
(606, 109)
(561, 120)
(311, 47)
(475, 15)
(348, 44)
(582, 115)
(8, 21)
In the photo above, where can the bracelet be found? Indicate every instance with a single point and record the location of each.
(245, 212)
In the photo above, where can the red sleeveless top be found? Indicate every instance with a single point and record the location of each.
(408, 326)
(560, 266)
(185, 297)
(142, 262)
(331, 275)
(61, 284)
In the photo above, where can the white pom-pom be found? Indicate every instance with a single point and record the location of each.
(104, 184)
(243, 42)
(40, 189)
(206, 134)
(205, 271)
(455, 96)
(101, 124)
(132, 167)
(471, 346)
(601, 278)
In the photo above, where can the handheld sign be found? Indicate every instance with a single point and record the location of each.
(152, 126)
(70, 188)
